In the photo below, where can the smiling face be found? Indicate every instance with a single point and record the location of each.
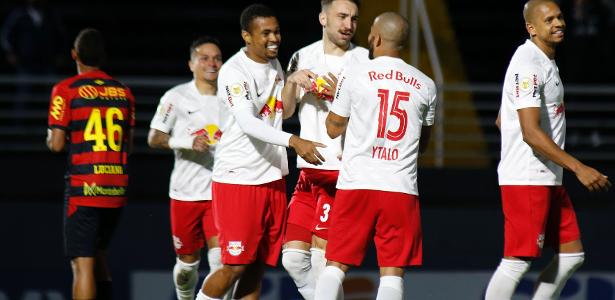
(339, 20)
(546, 24)
(205, 62)
(263, 39)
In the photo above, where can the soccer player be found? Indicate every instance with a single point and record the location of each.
(91, 115)
(538, 211)
(313, 74)
(386, 107)
(187, 123)
(249, 196)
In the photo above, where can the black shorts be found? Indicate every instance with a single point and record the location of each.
(88, 229)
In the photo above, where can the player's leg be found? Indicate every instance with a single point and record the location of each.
(214, 253)
(352, 222)
(563, 233)
(188, 240)
(249, 285)
(398, 238)
(297, 238)
(391, 285)
(109, 218)
(526, 211)
(240, 225)
(84, 280)
(329, 286)
(323, 189)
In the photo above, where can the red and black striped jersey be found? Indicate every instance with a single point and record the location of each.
(96, 111)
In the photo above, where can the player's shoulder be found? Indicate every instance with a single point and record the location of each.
(178, 90)
(233, 66)
(311, 49)
(66, 83)
(359, 52)
(529, 56)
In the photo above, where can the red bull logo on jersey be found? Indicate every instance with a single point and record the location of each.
(57, 108)
(272, 107)
(318, 88)
(211, 132)
(234, 248)
(395, 75)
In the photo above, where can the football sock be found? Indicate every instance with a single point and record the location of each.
(553, 278)
(390, 288)
(506, 278)
(185, 277)
(329, 286)
(297, 263)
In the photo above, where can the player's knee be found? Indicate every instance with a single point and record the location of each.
(185, 275)
(296, 261)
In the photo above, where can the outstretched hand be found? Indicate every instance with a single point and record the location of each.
(306, 149)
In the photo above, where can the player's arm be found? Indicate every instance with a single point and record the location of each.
(161, 140)
(336, 124)
(540, 142)
(498, 121)
(292, 89)
(245, 113)
(56, 139)
(424, 139)
(130, 140)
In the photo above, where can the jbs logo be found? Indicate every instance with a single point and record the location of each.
(92, 92)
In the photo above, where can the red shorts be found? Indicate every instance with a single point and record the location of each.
(251, 220)
(393, 219)
(192, 223)
(535, 216)
(323, 191)
(300, 212)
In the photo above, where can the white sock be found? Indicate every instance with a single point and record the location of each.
(329, 284)
(318, 261)
(214, 258)
(553, 278)
(390, 288)
(185, 277)
(297, 263)
(506, 278)
(202, 296)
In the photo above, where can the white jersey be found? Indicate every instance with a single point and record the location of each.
(246, 84)
(388, 102)
(532, 80)
(182, 112)
(312, 110)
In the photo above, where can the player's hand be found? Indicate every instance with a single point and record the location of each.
(593, 180)
(200, 143)
(302, 78)
(329, 88)
(307, 150)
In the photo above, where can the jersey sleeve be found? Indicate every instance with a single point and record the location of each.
(342, 98)
(430, 114)
(166, 114)
(527, 82)
(59, 108)
(236, 88)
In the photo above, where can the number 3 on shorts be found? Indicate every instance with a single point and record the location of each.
(325, 212)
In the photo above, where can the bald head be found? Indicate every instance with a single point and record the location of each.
(392, 28)
(531, 8)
